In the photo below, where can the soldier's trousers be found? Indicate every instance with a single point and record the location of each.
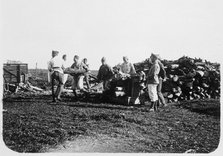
(159, 92)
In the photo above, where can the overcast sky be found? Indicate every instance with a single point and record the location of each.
(31, 29)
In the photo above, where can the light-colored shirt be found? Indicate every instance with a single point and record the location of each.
(86, 66)
(56, 64)
(65, 64)
(127, 68)
(65, 76)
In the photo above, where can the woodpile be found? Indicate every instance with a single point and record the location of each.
(21, 88)
(188, 78)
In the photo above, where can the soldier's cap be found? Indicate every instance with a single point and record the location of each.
(103, 59)
(76, 56)
(55, 52)
(125, 57)
(155, 56)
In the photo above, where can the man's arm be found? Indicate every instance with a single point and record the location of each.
(63, 66)
(162, 66)
(99, 74)
(72, 66)
(156, 69)
(50, 66)
(110, 71)
(86, 67)
(133, 71)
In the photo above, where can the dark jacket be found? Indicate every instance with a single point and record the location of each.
(105, 72)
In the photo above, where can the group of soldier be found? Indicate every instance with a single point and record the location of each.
(57, 71)
(57, 67)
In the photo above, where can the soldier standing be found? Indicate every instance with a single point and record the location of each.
(105, 73)
(56, 68)
(162, 77)
(153, 81)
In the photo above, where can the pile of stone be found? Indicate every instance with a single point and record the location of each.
(188, 78)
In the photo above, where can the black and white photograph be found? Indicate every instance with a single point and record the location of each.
(111, 76)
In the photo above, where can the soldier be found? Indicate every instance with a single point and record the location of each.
(127, 67)
(187, 86)
(153, 81)
(77, 78)
(162, 77)
(105, 73)
(64, 57)
(56, 68)
(86, 75)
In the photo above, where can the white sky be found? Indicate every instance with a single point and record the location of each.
(110, 28)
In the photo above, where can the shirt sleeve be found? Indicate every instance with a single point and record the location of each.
(99, 74)
(133, 71)
(162, 67)
(110, 69)
(50, 65)
(63, 65)
(156, 69)
(85, 66)
(110, 72)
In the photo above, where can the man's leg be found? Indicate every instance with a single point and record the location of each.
(65, 76)
(74, 85)
(80, 83)
(60, 90)
(159, 92)
(56, 77)
(60, 85)
(106, 85)
(59, 77)
(152, 88)
(150, 96)
(87, 81)
(52, 82)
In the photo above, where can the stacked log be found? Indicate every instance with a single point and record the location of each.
(188, 78)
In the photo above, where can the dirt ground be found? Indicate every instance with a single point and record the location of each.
(32, 123)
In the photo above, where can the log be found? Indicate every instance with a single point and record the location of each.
(73, 71)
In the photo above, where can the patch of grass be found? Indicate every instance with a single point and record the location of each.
(31, 125)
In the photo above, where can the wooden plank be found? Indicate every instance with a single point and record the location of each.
(13, 80)
(10, 64)
(13, 72)
(9, 72)
(18, 74)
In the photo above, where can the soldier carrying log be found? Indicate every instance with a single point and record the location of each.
(86, 75)
(64, 57)
(79, 76)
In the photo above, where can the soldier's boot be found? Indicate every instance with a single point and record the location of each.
(151, 108)
(156, 106)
